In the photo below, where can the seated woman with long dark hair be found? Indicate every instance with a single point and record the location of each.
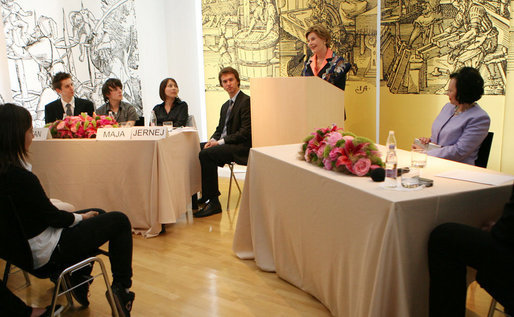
(172, 109)
(58, 238)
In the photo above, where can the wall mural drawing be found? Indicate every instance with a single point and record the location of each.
(266, 38)
(422, 41)
(241, 34)
(91, 40)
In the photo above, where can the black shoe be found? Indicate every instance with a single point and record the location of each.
(212, 208)
(81, 293)
(58, 310)
(122, 300)
(202, 202)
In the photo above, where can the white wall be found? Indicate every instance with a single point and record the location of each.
(171, 45)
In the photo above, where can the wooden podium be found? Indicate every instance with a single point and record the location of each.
(286, 110)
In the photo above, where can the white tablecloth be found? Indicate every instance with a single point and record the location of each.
(150, 181)
(360, 249)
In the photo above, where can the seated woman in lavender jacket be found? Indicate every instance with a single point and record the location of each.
(462, 125)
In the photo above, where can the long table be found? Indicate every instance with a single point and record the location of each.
(150, 181)
(357, 247)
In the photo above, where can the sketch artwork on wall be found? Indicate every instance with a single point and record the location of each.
(422, 41)
(241, 34)
(91, 39)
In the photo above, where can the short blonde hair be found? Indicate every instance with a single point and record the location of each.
(320, 31)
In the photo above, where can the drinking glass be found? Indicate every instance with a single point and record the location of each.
(410, 179)
(418, 159)
(168, 125)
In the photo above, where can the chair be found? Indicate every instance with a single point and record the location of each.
(15, 249)
(191, 122)
(493, 308)
(140, 122)
(232, 177)
(484, 150)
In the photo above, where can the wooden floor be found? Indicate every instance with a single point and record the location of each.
(191, 271)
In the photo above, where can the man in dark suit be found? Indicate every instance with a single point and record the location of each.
(68, 103)
(490, 251)
(230, 143)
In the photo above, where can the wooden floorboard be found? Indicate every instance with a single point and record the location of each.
(190, 270)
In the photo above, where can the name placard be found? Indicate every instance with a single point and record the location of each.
(42, 134)
(149, 133)
(109, 134)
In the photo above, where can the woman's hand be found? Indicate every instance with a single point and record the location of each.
(424, 140)
(89, 214)
(421, 144)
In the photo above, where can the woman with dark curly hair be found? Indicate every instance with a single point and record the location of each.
(462, 125)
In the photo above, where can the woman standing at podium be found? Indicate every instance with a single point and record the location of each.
(172, 109)
(324, 63)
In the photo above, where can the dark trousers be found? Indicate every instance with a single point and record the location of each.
(11, 305)
(81, 241)
(210, 159)
(451, 248)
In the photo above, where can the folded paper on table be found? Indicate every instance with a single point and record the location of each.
(478, 177)
(185, 129)
(428, 146)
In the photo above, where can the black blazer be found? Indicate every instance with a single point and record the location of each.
(33, 207)
(178, 114)
(239, 127)
(54, 110)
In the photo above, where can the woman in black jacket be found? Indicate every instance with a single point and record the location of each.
(58, 238)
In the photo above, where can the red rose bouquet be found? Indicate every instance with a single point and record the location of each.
(83, 126)
(334, 149)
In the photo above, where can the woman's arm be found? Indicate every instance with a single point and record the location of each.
(42, 210)
(182, 115)
(472, 136)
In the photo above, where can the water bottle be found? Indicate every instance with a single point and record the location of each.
(391, 162)
(153, 119)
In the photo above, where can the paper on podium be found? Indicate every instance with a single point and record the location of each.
(478, 177)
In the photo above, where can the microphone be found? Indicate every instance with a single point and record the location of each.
(378, 174)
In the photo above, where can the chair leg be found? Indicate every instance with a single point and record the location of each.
(492, 308)
(66, 290)
(7, 272)
(231, 167)
(27, 279)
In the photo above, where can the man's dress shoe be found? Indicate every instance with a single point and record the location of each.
(212, 208)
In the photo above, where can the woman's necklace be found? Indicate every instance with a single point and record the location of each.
(462, 109)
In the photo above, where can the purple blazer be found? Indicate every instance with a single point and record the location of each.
(459, 135)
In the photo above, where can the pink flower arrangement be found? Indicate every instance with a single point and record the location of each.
(334, 149)
(83, 126)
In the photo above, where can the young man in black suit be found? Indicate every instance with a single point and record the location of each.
(231, 142)
(454, 246)
(68, 103)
